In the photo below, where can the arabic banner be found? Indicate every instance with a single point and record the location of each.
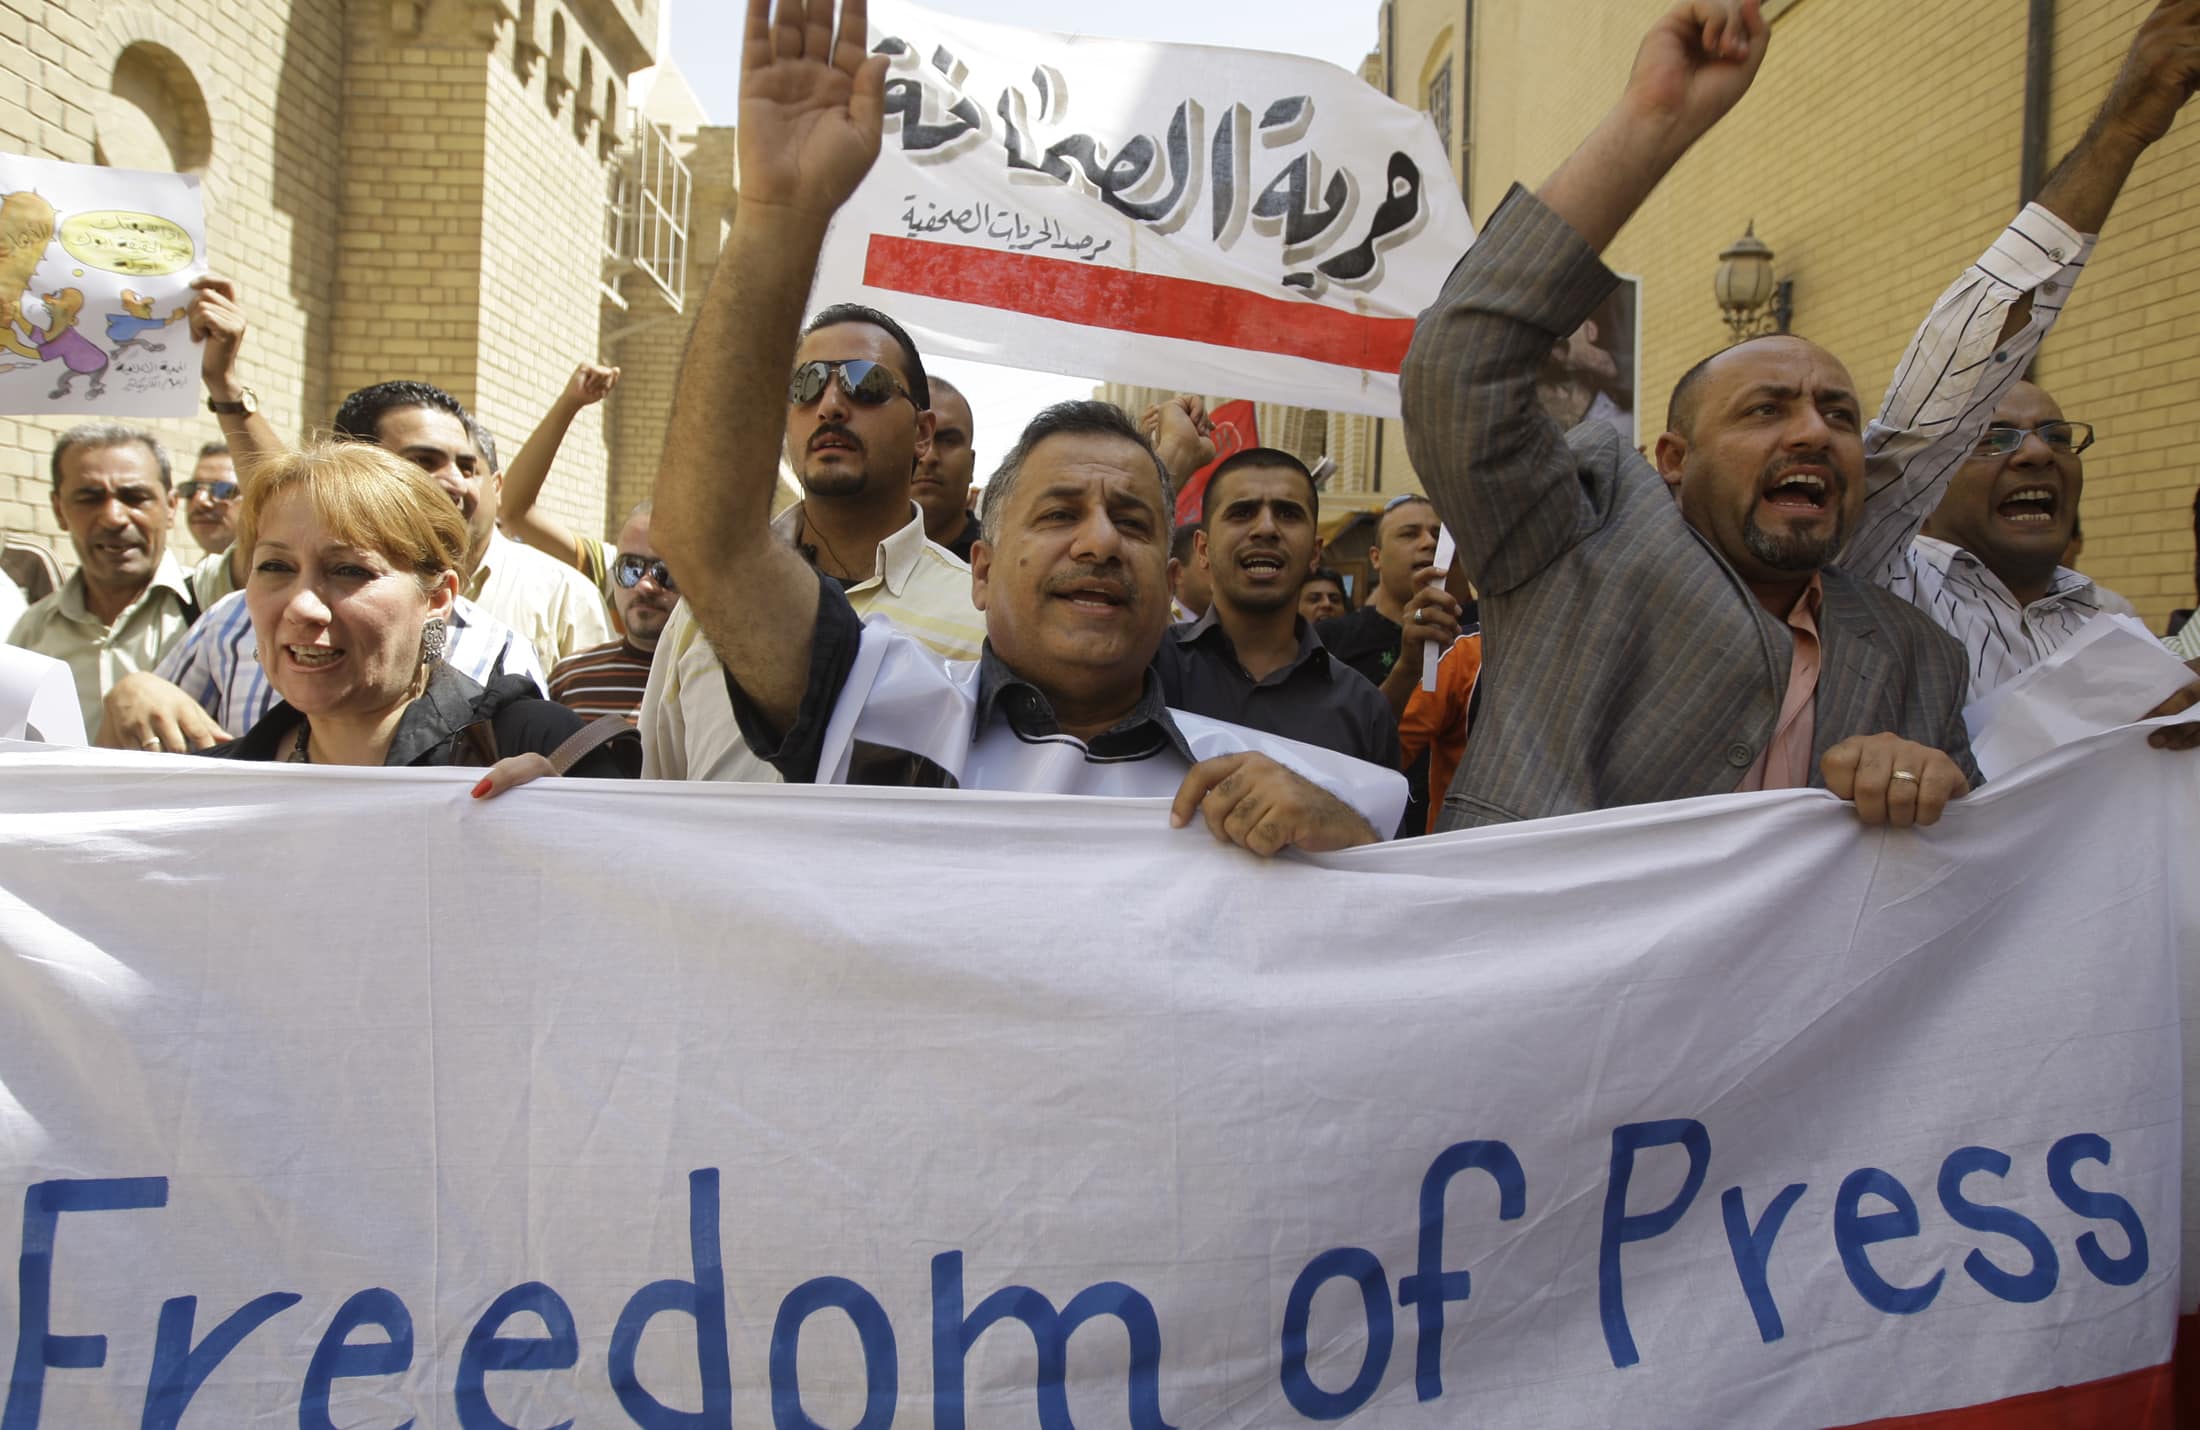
(96, 266)
(701, 1106)
(1212, 220)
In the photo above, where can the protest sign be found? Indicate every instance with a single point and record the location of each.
(96, 267)
(1211, 220)
(332, 1097)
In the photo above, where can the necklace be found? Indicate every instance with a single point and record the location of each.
(298, 755)
(839, 568)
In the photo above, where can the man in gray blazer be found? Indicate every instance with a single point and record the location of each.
(1637, 649)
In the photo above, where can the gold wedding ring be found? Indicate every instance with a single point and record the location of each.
(1905, 775)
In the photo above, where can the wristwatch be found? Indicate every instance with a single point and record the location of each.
(247, 404)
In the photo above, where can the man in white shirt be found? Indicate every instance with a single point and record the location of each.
(1071, 569)
(1968, 524)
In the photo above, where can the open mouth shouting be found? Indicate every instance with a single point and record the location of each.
(1092, 595)
(1802, 490)
(2031, 506)
(1262, 564)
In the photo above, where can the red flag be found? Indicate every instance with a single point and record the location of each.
(1235, 429)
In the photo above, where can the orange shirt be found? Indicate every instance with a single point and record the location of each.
(1436, 720)
(1785, 762)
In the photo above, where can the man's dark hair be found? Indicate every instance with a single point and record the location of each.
(213, 449)
(93, 436)
(1334, 577)
(920, 387)
(1268, 459)
(1181, 542)
(360, 418)
(1084, 418)
(1403, 499)
(485, 444)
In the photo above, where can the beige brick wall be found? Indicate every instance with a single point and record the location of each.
(270, 77)
(1877, 154)
(402, 190)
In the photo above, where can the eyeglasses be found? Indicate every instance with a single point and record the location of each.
(2069, 437)
(868, 383)
(219, 491)
(629, 570)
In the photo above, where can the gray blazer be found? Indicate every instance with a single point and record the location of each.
(1624, 661)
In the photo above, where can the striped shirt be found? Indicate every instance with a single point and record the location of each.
(603, 680)
(687, 723)
(1942, 398)
(218, 662)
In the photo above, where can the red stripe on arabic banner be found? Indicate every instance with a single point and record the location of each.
(1094, 297)
(2136, 1400)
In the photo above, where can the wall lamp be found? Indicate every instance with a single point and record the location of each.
(1753, 302)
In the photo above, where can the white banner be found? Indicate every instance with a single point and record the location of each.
(332, 1097)
(96, 266)
(1213, 220)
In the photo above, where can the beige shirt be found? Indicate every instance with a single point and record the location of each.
(99, 654)
(687, 724)
(545, 600)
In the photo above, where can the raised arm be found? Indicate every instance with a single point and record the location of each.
(523, 480)
(812, 112)
(1497, 467)
(218, 323)
(1983, 332)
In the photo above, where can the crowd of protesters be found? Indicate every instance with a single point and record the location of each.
(1786, 588)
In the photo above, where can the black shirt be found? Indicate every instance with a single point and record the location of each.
(1366, 640)
(962, 541)
(796, 752)
(1316, 699)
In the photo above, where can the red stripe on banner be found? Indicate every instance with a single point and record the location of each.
(1095, 297)
(2136, 1400)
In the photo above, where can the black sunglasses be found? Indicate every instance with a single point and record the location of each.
(868, 383)
(219, 491)
(629, 570)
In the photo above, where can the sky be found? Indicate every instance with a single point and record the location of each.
(706, 43)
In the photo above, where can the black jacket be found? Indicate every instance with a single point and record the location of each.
(456, 722)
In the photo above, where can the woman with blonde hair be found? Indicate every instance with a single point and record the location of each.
(353, 562)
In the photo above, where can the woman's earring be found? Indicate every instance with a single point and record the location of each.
(431, 640)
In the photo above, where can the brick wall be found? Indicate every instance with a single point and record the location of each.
(1877, 154)
(411, 189)
(270, 79)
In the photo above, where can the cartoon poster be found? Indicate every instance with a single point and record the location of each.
(95, 272)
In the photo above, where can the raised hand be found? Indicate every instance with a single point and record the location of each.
(2159, 73)
(812, 106)
(217, 320)
(591, 384)
(1696, 64)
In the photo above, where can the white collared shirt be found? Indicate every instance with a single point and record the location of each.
(686, 722)
(545, 600)
(99, 653)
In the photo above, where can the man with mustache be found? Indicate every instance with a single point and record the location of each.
(1744, 658)
(1986, 561)
(1070, 568)
(128, 601)
(946, 469)
(609, 679)
(1252, 660)
(855, 440)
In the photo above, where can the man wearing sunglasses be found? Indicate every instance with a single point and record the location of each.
(209, 499)
(858, 422)
(609, 679)
(1070, 568)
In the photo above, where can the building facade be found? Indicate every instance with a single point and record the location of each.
(1882, 147)
(455, 190)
